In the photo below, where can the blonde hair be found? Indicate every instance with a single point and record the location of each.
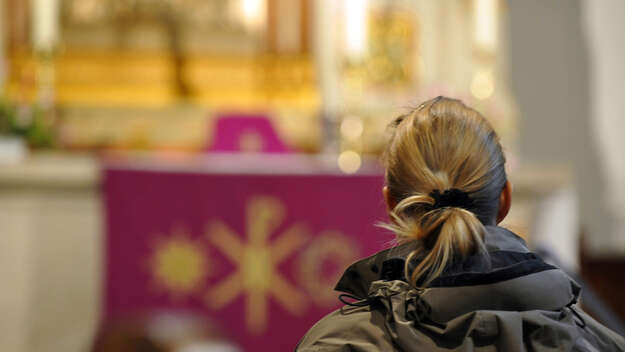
(442, 145)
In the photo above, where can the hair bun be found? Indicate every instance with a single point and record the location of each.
(452, 197)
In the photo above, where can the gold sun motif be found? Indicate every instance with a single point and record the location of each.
(178, 264)
(257, 275)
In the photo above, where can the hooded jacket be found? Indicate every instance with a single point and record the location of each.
(510, 300)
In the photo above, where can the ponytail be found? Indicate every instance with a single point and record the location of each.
(445, 169)
(445, 233)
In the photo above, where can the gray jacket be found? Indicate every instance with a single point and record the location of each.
(512, 301)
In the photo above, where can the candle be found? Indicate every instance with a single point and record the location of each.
(485, 24)
(252, 13)
(45, 24)
(355, 27)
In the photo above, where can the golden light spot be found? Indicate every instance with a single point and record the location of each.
(349, 161)
(351, 128)
(483, 84)
(178, 264)
(257, 275)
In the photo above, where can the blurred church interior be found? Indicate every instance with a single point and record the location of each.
(143, 142)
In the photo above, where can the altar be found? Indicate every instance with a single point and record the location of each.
(256, 243)
(61, 197)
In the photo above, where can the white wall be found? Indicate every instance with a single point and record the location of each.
(605, 30)
(570, 96)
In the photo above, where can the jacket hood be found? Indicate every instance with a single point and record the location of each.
(512, 301)
(511, 278)
(417, 321)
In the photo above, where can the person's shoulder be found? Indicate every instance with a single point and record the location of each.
(348, 329)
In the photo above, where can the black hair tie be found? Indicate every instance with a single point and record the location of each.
(452, 197)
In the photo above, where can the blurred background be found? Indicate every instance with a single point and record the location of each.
(194, 175)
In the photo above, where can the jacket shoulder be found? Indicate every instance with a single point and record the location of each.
(348, 329)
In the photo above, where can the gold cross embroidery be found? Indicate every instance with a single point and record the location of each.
(257, 275)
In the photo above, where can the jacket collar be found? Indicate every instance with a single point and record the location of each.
(514, 279)
(500, 242)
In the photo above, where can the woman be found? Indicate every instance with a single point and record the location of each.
(457, 281)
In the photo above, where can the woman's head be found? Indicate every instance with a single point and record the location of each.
(445, 180)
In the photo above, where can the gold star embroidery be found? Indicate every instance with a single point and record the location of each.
(257, 275)
(178, 264)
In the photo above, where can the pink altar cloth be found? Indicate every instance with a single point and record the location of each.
(255, 243)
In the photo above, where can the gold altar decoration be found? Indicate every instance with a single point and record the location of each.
(145, 79)
(124, 70)
(388, 59)
(392, 55)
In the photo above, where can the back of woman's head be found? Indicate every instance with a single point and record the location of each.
(444, 173)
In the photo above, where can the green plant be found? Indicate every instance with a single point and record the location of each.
(27, 122)
(6, 118)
